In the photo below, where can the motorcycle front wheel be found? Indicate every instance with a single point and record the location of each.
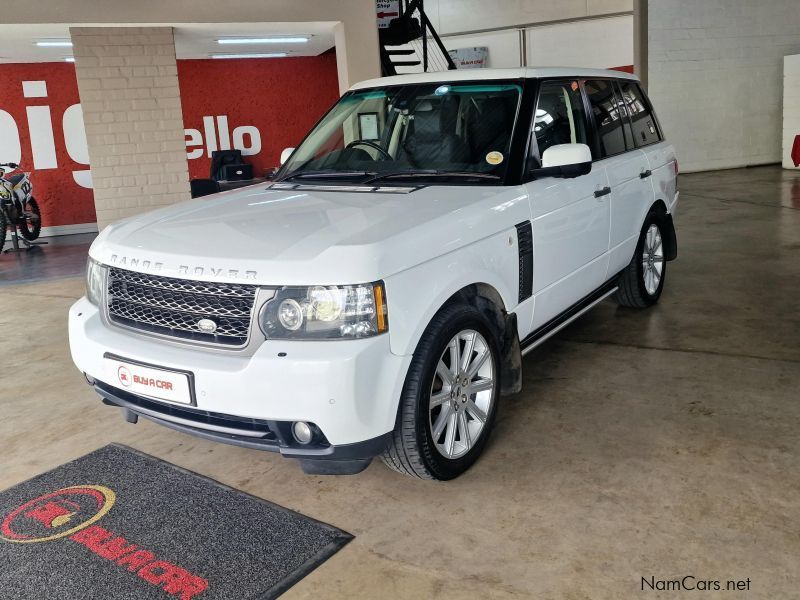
(3, 226)
(30, 222)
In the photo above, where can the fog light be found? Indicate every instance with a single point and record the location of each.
(302, 432)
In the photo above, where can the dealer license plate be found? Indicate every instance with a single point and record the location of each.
(153, 382)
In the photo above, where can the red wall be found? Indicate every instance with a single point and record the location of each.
(63, 202)
(282, 98)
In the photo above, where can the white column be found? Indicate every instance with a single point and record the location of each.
(791, 107)
(128, 85)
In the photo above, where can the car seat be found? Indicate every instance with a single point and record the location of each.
(431, 140)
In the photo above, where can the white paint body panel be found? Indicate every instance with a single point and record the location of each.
(627, 191)
(288, 237)
(570, 241)
(348, 388)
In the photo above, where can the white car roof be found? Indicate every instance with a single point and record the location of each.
(487, 74)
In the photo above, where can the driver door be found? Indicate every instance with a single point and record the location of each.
(570, 217)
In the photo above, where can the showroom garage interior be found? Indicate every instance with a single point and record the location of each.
(334, 245)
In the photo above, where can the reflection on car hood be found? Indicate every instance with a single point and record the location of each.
(308, 235)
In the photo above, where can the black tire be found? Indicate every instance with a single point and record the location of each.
(31, 230)
(412, 450)
(3, 227)
(632, 290)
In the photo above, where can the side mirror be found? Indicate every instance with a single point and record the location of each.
(287, 152)
(565, 160)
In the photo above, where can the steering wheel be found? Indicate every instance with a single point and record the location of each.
(372, 145)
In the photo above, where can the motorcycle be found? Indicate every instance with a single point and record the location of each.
(18, 207)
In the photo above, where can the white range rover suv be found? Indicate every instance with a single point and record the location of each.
(376, 298)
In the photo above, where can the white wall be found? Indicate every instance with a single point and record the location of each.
(457, 16)
(791, 107)
(597, 43)
(716, 77)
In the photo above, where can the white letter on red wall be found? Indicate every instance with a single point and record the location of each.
(75, 141)
(254, 147)
(10, 148)
(40, 126)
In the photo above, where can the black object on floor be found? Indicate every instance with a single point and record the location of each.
(119, 524)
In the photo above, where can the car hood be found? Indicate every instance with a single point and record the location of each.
(306, 235)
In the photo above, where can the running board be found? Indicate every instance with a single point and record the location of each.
(549, 329)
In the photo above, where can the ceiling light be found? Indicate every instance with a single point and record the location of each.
(294, 39)
(69, 58)
(54, 43)
(267, 55)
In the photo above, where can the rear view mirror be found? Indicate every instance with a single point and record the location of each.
(287, 152)
(565, 160)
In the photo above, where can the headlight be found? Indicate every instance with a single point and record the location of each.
(95, 281)
(325, 312)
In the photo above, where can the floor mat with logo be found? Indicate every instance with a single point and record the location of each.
(119, 524)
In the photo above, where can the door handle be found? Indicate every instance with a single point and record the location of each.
(645, 174)
(603, 192)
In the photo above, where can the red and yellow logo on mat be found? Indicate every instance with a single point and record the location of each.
(72, 513)
(58, 514)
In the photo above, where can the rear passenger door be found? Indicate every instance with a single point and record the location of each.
(626, 167)
(648, 137)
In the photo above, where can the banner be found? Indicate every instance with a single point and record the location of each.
(470, 58)
(386, 11)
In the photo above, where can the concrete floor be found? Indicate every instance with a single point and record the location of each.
(658, 443)
(57, 257)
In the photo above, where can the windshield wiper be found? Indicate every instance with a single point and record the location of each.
(432, 173)
(329, 174)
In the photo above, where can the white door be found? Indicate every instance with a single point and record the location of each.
(631, 195)
(570, 216)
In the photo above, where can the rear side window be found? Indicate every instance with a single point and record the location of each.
(607, 117)
(560, 115)
(645, 129)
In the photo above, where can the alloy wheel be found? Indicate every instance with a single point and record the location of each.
(652, 259)
(462, 393)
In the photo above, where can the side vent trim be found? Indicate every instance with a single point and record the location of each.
(525, 243)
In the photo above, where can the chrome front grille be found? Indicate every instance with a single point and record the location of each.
(174, 307)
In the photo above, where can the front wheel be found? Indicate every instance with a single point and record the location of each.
(30, 223)
(449, 399)
(642, 281)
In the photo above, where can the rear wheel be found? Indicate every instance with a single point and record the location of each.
(30, 222)
(642, 281)
(449, 399)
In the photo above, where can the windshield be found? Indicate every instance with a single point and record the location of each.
(437, 132)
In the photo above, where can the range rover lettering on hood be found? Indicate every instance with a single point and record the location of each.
(151, 266)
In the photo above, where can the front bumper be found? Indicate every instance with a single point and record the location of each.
(349, 389)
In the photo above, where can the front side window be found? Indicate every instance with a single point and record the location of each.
(645, 131)
(560, 115)
(442, 132)
(608, 117)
